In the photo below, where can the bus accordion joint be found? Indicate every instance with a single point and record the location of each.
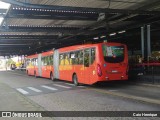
(99, 71)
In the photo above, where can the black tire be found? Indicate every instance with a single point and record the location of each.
(52, 77)
(75, 80)
(28, 73)
(35, 75)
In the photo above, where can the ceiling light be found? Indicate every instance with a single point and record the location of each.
(96, 38)
(103, 36)
(121, 31)
(112, 34)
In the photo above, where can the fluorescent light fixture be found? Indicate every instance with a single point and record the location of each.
(96, 38)
(121, 31)
(112, 34)
(103, 36)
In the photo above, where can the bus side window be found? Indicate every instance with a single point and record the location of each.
(72, 61)
(76, 58)
(42, 59)
(28, 62)
(32, 62)
(45, 61)
(36, 62)
(92, 55)
(80, 57)
(86, 57)
(67, 59)
(61, 59)
(51, 60)
(48, 60)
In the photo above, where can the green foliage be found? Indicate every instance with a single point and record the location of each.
(10, 61)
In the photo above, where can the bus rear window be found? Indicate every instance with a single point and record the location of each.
(113, 54)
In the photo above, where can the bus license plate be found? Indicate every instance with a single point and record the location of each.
(114, 71)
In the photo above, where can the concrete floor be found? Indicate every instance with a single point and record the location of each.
(63, 96)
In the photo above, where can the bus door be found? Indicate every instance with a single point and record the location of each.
(32, 66)
(45, 68)
(48, 66)
(92, 65)
(89, 68)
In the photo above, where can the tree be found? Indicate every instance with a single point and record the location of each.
(9, 62)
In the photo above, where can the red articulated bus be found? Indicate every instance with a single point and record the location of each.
(87, 64)
(40, 64)
(31, 66)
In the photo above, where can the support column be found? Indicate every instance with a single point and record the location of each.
(142, 41)
(148, 42)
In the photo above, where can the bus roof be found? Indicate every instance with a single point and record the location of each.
(32, 56)
(47, 53)
(76, 47)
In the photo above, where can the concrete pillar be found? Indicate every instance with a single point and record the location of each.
(148, 41)
(142, 41)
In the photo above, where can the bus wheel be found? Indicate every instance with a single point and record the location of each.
(35, 75)
(27, 73)
(75, 80)
(52, 77)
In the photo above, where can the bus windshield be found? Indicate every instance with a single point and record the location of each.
(113, 54)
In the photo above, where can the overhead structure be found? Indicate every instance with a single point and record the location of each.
(31, 26)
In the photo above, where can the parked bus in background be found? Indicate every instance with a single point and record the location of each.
(90, 63)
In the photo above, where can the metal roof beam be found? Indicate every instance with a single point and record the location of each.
(81, 9)
(25, 39)
(15, 44)
(26, 36)
(131, 26)
(12, 50)
(121, 1)
(18, 47)
(3, 11)
(5, 48)
(55, 17)
(63, 30)
(149, 4)
(35, 14)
